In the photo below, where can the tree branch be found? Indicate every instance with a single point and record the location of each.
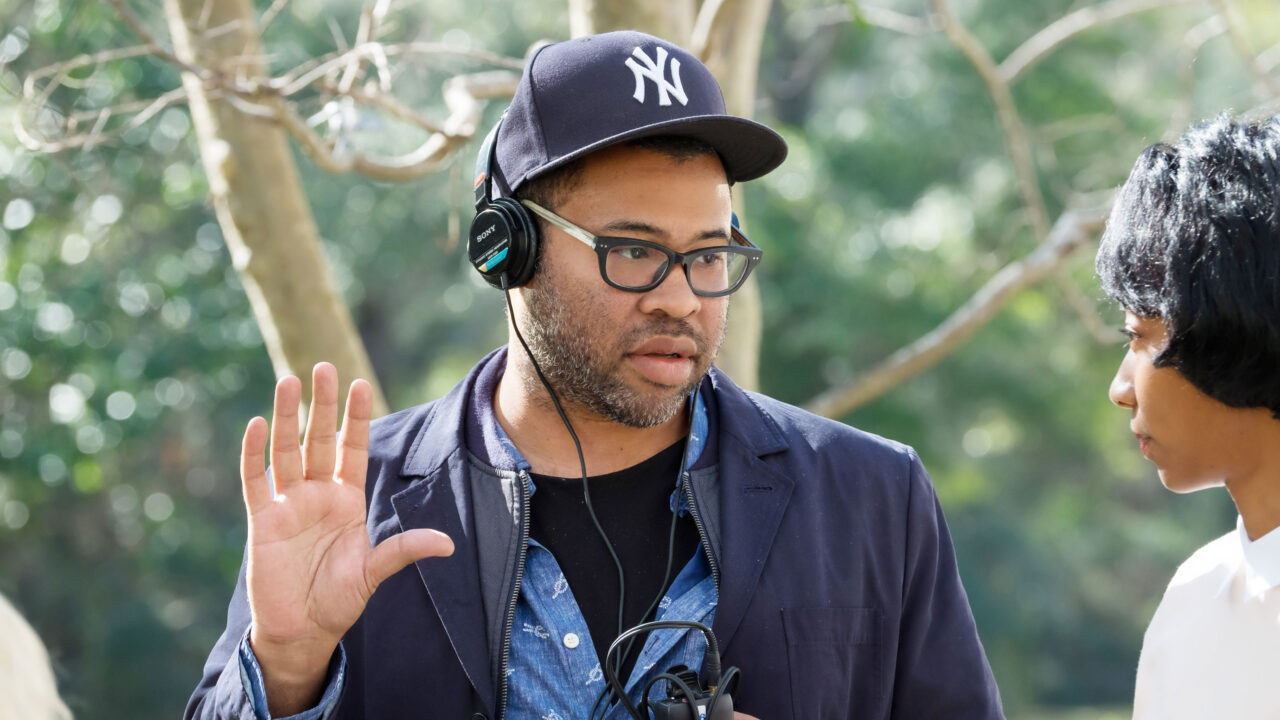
(1068, 234)
(144, 110)
(1192, 41)
(268, 98)
(313, 71)
(160, 51)
(1014, 131)
(1102, 333)
(270, 14)
(700, 41)
(1052, 36)
(461, 94)
(870, 14)
(1241, 43)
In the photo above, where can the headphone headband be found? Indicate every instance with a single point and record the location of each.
(484, 166)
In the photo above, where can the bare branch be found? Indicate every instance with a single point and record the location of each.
(701, 36)
(1269, 59)
(393, 107)
(461, 94)
(1014, 131)
(135, 23)
(145, 110)
(267, 98)
(871, 15)
(1241, 44)
(271, 13)
(39, 86)
(1084, 309)
(1053, 35)
(311, 72)
(64, 68)
(898, 22)
(1192, 42)
(1068, 234)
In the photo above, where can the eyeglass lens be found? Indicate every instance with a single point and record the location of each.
(637, 266)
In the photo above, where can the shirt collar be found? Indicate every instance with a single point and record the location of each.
(1261, 560)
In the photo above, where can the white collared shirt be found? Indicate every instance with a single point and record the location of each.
(1213, 647)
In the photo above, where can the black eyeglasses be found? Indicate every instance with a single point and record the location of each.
(639, 265)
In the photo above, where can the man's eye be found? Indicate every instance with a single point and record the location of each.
(635, 252)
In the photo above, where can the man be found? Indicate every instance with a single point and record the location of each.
(1192, 253)
(598, 472)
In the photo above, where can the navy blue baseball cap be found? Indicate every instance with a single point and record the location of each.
(582, 95)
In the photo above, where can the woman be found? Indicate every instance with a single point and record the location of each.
(27, 687)
(1192, 253)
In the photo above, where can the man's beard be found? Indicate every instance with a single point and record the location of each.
(567, 347)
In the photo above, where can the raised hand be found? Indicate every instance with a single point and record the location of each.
(311, 569)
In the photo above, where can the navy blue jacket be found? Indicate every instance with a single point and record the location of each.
(838, 590)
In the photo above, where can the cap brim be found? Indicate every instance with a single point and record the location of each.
(747, 148)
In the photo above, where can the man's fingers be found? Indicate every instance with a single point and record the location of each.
(322, 421)
(253, 474)
(353, 448)
(392, 554)
(286, 458)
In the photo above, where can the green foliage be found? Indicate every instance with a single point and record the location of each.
(129, 360)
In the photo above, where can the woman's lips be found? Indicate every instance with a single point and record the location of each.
(1144, 441)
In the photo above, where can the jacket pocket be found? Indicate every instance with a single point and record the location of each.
(834, 659)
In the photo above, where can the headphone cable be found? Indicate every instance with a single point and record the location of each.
(586, 496)
(582, 462)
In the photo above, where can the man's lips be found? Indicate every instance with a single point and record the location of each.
(666, 345)
(665, 360)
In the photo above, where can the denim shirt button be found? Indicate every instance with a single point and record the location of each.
(571, 640)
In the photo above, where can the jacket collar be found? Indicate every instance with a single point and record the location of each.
(740, 417)
(466, 413)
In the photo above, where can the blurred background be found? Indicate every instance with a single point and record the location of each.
(934, 147)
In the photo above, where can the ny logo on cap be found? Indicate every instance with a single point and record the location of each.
(656, 71)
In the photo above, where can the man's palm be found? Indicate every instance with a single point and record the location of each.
(311, 569)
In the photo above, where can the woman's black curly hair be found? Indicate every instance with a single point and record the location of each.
(1194, 239)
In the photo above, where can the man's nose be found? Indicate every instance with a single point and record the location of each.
(674, 296)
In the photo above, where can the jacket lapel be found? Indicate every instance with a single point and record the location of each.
(753, 500)
(441, 501)
(438, 496)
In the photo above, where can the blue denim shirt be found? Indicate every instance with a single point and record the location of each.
(548, 678)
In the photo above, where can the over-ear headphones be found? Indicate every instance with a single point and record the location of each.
(503, 242)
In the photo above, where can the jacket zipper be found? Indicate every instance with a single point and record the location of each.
(515, 593)
(702, 533)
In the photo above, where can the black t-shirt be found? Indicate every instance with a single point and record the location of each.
(633, 506)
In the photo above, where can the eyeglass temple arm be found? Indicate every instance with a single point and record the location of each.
(589, 240)
(572, 231)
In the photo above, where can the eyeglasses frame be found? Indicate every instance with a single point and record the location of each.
(602, 244)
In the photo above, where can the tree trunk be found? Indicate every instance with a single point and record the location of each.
(728, 40)
(258, 198)
(668, 19)
(732, 52)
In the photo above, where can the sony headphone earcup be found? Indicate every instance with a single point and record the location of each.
(503, 240)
